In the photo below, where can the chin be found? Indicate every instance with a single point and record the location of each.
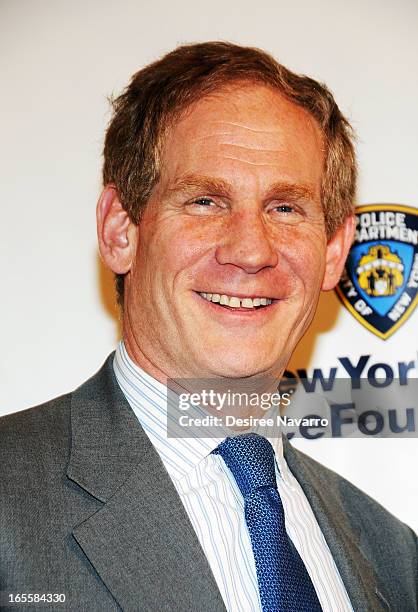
(242, 366)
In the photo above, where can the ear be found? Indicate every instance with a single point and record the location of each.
(337, 251)
(115, 231)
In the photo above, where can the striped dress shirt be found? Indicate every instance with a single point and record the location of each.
(215, 505)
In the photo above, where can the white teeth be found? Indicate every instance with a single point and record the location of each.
(247, 303)
(235, 302)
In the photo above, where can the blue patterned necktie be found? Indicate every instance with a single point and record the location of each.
(283, 581)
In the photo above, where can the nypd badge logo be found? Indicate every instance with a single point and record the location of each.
(380, 281)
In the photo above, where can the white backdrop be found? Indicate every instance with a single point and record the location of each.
(59, 61)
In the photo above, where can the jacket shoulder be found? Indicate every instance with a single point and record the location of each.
(48, 425)
(33, 435)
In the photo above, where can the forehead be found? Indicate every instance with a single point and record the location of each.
(246, 129)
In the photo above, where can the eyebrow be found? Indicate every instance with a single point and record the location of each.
(206, 183)
(212, 185)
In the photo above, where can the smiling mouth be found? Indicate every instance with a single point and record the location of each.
(234, 302)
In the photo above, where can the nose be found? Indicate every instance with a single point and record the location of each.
(247, 243)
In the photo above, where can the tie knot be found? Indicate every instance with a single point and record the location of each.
(250, 458)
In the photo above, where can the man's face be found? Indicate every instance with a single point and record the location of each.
(236, 213)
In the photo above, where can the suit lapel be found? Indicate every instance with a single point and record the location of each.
(141, 542)
(362, 584)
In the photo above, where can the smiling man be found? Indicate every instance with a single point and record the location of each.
(236, 214)
(227, 207)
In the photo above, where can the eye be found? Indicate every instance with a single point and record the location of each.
(285, 212)
(204, 206)
(204, 202)
(284, 208)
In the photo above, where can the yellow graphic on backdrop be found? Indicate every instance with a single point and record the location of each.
(380, 271)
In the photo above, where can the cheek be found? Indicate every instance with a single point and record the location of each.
(173, 248)
(306, 258)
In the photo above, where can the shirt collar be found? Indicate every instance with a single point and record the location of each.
(148, 399)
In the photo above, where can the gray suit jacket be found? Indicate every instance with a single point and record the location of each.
(87, 509)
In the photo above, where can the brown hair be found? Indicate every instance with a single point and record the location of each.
(160, 92)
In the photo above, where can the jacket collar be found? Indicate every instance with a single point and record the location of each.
(324, 495)
(141, 542)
